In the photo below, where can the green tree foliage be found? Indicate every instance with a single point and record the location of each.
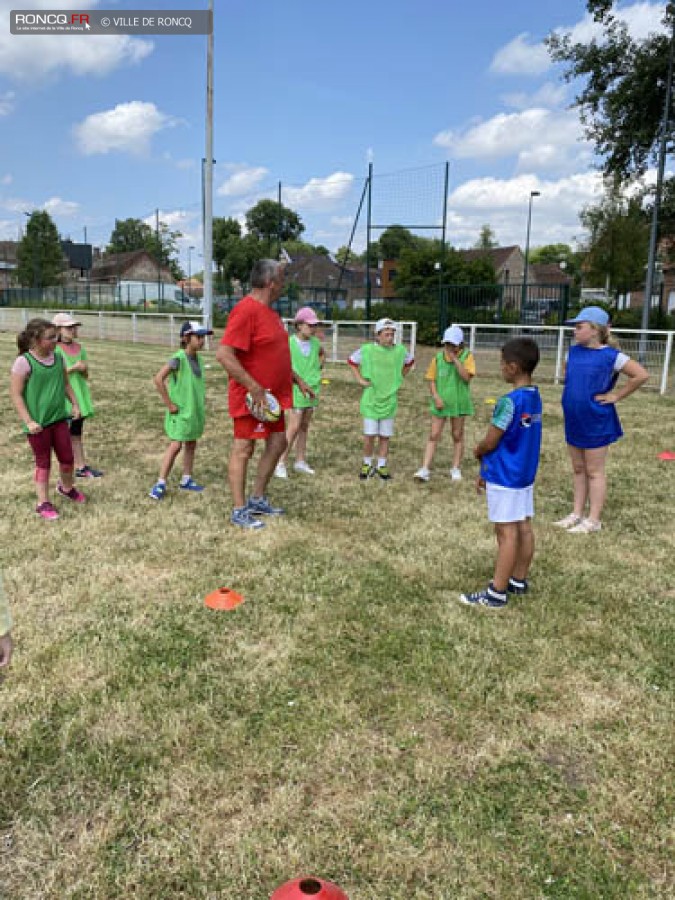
(623, 88)
(302, 248)
(393, 241)
(422, 267)
(618, 241)
(134, 234)
(487, 240)
(271, 222)
(39, 255)
(558, 254)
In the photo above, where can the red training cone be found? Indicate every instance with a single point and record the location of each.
(301, 888)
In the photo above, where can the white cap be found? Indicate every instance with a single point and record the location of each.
(453, 335)
(381, 324)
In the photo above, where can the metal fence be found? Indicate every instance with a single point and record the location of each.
(136, 328)
(655, 353)
(341, 338)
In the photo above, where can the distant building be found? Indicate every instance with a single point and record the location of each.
(320, 279)
(135, 265)
(508, 262)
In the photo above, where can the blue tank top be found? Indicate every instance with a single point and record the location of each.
(588, 424)
(515, 460)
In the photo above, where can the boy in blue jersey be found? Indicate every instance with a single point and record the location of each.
(509, 457)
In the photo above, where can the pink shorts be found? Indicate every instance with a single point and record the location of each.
(248, 428)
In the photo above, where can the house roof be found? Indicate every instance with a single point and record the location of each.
(498, 256)
(548, 273)
(116, 265)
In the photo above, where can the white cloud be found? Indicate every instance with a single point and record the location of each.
(525, 56)
(503, 203)
(521, 56)
(175, 219)
(243, 180)
(55, 206)
(7, 103)
(31, 58)
(549, 95)
(538, 138)
(319, 193)
(128, 128)
(6, 179)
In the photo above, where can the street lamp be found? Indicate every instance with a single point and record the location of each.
(523, 299)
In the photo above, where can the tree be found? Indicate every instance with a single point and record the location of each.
(272, 222)
(560, 253)
(39, 255)
(487, 240)
(134, 234)
(394, 240)
(418, 273)
(302, 248)
(618, 239)
(624, 87)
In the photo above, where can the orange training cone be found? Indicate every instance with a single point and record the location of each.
(301, 888)
(223, 598)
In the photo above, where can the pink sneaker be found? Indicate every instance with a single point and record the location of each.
(46, 510)
(73, 494)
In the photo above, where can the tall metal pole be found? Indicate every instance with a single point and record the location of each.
(651, 260)
(207, 306)
(88, 273)
(190, 249)
(442, 306)
(159, 260)
(279, 220)
(523, 299)
(368, 220)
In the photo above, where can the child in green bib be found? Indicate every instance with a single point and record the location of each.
(77, 365)
(379, 368)
(307, 358)
(449, 376)
(185, 401)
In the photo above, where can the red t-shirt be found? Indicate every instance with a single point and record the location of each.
(258, 335)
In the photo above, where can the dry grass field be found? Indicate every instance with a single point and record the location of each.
(351, 719)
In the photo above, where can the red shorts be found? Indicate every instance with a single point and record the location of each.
(248, 428)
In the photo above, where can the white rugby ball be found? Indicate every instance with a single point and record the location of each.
(270, 412)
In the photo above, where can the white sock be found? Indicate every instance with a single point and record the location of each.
(185, 479)
(381, 461)
(368, 460)
(162, 481)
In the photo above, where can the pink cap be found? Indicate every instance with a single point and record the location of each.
(306, 314)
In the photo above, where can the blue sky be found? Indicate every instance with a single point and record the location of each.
(97, 128)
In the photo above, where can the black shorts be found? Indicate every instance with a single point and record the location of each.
(76, 426)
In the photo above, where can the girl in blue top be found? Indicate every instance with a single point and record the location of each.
(591, 420)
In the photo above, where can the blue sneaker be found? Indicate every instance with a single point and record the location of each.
(191, 485)
(158, 491)
(244, 519)
(488, 597)
(261, 506)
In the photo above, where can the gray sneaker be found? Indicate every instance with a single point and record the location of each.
(261, 506)
(244, 519)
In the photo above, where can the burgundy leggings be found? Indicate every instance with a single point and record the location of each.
(56, 437)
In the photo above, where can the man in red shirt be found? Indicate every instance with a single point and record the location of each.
(255, 354)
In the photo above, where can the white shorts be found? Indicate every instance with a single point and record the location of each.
(509, 504)
(380, 427)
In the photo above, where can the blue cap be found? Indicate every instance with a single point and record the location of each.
(594, 314)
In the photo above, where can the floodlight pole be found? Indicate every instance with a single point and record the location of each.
(368, 221)
(651, 260)
(523, 299)
(442, 302)
(207, 303)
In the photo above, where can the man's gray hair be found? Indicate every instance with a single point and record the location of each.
(264, 271)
